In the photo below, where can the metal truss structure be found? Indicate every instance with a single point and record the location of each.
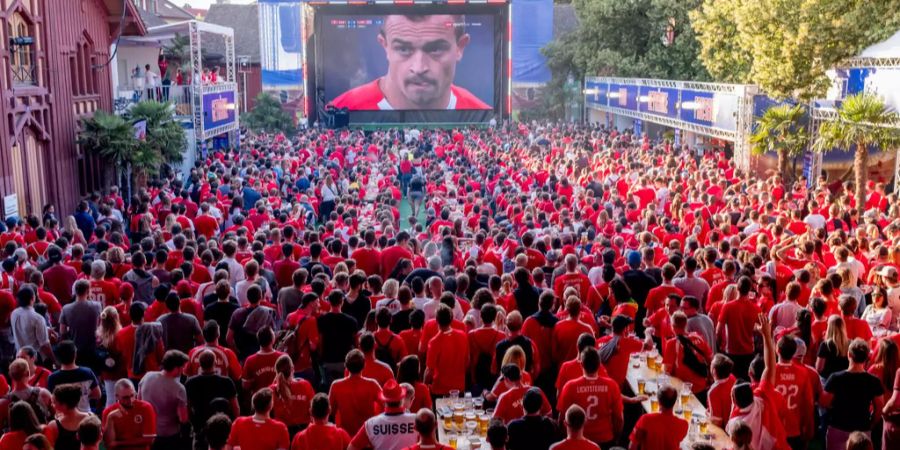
(740, 136)
(228, 81)
(867, 62)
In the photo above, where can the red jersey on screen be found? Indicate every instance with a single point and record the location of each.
(369, 97)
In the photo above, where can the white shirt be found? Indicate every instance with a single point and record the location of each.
(784, 314)
(28, 328)
(235, 271)
(391, 431)
(816, 221)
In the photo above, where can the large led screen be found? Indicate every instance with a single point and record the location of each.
(408, 62)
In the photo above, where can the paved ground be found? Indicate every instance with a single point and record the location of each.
(406, 211)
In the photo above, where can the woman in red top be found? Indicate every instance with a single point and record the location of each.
(22, 424)
(292, 396)
(408, 372)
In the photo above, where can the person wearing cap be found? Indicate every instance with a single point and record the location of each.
(394, 429)
(616, 349)
(600, 397)
(891, 282)
(426, 424)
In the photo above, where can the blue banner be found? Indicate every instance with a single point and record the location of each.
(218, 109)
(532, 30)
(698, 107)
(596, 93)
(281, 44)
(623, 96)
(638, 127)
(658, 100)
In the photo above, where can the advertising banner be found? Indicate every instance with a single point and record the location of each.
(218, 109)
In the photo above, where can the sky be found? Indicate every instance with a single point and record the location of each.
(204, 4)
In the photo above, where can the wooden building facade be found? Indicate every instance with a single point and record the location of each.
(55, 71)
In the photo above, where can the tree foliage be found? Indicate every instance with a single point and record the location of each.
(781, 130)
(629, 39)
(165, 136)
(863, 121)
(786, 46)
(109, 136)
(269, 116)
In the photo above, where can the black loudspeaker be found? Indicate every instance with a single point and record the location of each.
(341, 118)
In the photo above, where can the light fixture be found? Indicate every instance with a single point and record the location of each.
(593, 91)
(613, 95)
(644, 98)
(690, 105)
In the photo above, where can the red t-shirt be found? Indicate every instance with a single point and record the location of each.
(124, 347)
(509, 405)
(448, 358)
(601, 400)
(321, 437)
(617, 366)
(673, 358)
(659, 431)
(293, 410)
(227, 363)
(792, 382)
(657, 296)
(250, 434)
(133, 423)
(353, 401)
(739, 319)
(389, 258)
(565, 339)
(579, 281)
(259, 370)
(368, 260)
(719, 400)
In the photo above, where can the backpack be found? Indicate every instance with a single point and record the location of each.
(484, 377)
(286, 339)
(383, 353)
(693, 358)
(33, 399)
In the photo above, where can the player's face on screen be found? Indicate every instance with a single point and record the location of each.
(422, 57)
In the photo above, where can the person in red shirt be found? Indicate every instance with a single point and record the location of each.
(205, 224)
(856, 327)
(426, 424)
(129, 423)
(566, 332)
(259, 368)
(285, 267)
(259, 431)
(657, 296)
(509, 405)
(321, 435)
(227, 363)
(447, 356)
(354, 398)
(482, 345)
(368, 258)
(616, 349)
(681, 364)
(374, 369)
(292, 396)
(793, 382)
(735, 327)
(719, 396)
(125, 341)
(599, 396)
(393, 254)
(660, 430)
(573, 277)
(575, 421)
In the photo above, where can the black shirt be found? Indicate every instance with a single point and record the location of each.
(220, 312)
(853, 394)
(358, 309)
(338, 331)
(834, 362)
(202, 390)
(422, 273)
(640, 283)
(400, 321)
(531, 433)
(527, 300)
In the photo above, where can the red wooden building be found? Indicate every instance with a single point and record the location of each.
(55, 71)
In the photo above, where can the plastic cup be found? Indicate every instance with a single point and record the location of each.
(654, 404)
(454, 395)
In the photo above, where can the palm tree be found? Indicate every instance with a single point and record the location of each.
(111, 137)
(864, 121)
(780, 130)
(165, 136)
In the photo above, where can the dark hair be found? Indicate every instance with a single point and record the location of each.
(319, 406)
(532, 400)
(174, 359)
(65, 352)
(22, 418)
(218, 428)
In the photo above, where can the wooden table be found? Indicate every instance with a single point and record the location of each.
(462, 438)
(715, 435)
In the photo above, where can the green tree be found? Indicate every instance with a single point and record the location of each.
(165, 136)
(269, 116)
(780, 130)
(864, 121)
(786, 46)
(109, 136)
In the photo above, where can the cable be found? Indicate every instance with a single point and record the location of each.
(118, 38)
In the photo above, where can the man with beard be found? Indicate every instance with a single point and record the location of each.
(422, 52)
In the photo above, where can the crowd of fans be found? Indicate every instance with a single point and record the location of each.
(274, 299)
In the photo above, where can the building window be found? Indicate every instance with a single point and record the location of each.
(21, 47)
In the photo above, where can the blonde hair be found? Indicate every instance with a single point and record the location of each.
(109, 326)
(514, 355)
(837, 334)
